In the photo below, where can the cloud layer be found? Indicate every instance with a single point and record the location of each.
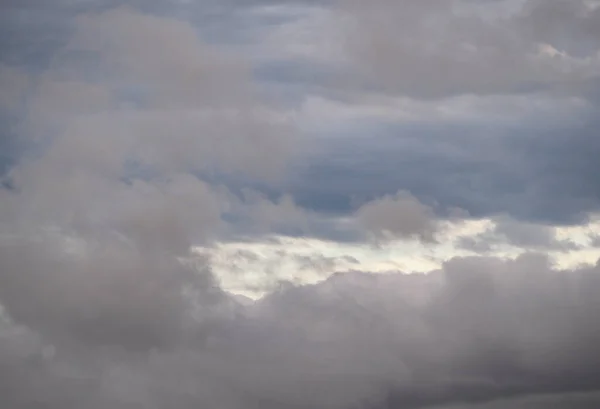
(141, 141)
(438, 48)
(477, 331)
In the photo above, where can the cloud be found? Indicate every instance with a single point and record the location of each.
(186, 72)
(257, 267)
(471, 335)
(109, 295)
(266, 217)
(432, 49)
(103, 207)
(575, 400)
(486, 168)
(135, 128)
(14, 86)
(478, 330)
(399, 216)
(571, 25)
(522, 235)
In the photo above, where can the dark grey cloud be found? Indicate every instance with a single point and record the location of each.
(479, 333)
(471, 342)
(576, 400)
(113, 297)
(544, 174)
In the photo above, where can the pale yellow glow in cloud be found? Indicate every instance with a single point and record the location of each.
(582, 235)
(253, 269)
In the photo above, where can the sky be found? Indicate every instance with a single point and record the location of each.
(299, 204)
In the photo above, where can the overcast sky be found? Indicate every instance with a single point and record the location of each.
(345, 204)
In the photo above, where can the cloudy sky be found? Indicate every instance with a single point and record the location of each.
(345, 204)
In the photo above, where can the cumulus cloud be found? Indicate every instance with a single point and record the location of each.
(398, 216)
